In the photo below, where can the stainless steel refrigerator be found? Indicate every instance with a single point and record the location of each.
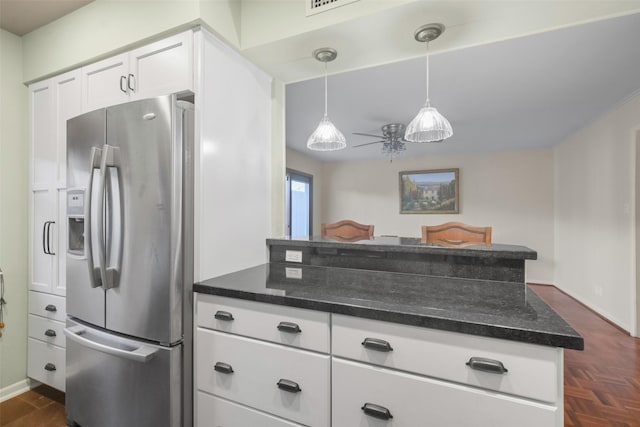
(130, 265)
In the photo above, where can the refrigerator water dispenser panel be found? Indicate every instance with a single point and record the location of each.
(75, 215)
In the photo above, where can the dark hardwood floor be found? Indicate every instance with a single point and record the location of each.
(41, 407)
(601, 383)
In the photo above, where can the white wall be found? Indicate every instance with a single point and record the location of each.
(301, 163)
(594, 181)
(13, 210)
(510, 191)
(233, 172)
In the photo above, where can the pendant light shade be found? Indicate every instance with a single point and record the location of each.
(429, 125)
(326, 137)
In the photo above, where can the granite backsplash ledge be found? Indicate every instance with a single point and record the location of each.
(409, 255)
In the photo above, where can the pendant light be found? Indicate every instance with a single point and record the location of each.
(326, 137)
(429, 125)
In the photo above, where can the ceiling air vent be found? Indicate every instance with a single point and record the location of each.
(317, 6)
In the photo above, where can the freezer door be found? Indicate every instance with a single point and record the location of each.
(146, 297)
(86, 135)
(114, 381)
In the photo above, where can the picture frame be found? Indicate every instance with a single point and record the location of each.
(430, 191)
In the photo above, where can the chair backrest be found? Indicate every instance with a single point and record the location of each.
(456, 232)
(347, 230)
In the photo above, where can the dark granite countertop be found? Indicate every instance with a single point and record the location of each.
(411, 245)
(495, 309)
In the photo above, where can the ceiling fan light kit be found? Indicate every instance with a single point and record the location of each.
(392, 139)
(429, 125)
(326, 137)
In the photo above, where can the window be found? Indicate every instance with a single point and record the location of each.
(299, 202)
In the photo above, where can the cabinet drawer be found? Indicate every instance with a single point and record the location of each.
(47, 305)
(49, 331)
(532, 371)
(46, 363)
(262, 321)
(213, 411)
(417, 401)
(258, 367)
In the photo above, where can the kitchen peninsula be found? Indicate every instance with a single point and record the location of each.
(304, 342)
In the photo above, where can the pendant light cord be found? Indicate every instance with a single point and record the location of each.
(427, 75)
(325, 89)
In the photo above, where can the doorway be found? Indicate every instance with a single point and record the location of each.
(299, 204)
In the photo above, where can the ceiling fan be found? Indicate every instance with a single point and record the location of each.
(392, 139)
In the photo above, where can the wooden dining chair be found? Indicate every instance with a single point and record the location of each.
(347, 230)
(456, 232)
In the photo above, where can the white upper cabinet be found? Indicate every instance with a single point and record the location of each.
(105, 82)
(162, 67)
(159, 68)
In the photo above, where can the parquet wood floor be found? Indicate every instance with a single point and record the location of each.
(601, 383)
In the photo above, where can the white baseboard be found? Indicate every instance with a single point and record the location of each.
(15, 389)
(598, 310)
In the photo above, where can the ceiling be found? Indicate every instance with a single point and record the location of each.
(23, 16)
(522, 93)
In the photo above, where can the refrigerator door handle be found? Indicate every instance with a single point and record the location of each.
(96, 155)
(141, 354)
(109, 159)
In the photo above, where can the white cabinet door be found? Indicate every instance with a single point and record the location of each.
(213, 411)
(43, 167)
(287, 382)
(67, 104)
(42, 230)
(46, 363)
(42, 135)
(163, 67)
(370, 396)
(104, 83)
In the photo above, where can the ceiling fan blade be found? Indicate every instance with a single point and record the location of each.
(368, 143)
(368, 134)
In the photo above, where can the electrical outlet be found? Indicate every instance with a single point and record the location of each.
(293, 273)
(293, 256)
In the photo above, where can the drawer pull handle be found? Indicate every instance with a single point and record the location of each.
(376, 411)
(50, 333)
(50, 367)
(290, 386)
(289, 327)
(377, 344)
(223, 315)
(487, 365)
(225, 368)
(52, 308)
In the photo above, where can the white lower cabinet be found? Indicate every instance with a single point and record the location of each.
(373, 374)
(365, 395)
(284, 381)
(46, 344)
(46, 363)
(216, 412)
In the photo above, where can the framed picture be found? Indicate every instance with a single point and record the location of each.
(429, 192)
